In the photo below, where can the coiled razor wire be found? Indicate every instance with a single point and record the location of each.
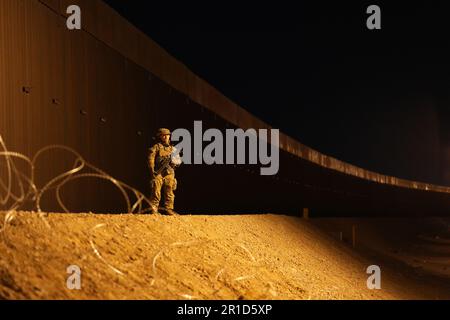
(28, 191)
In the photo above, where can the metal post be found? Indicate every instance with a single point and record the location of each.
(354, 236)
(306, 213)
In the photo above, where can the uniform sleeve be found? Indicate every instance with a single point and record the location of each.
(151, 158)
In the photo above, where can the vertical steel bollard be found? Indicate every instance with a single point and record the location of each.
(306, 213)
(354, 236)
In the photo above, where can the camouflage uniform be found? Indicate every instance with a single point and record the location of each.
(165, 181)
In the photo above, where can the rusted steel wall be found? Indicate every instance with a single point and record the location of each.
(108, 26)
(104, 90)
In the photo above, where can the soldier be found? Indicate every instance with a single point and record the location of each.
(162, 162)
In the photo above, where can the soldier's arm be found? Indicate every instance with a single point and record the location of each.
(151, 158)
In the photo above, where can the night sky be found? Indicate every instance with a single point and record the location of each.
(377, 99)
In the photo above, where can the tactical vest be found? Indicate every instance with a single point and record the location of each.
(163, 152)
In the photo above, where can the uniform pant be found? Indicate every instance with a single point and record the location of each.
(165, 185)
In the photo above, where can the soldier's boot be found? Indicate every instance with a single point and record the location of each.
(170, 212)
(154, 211)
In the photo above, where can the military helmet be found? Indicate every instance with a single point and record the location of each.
(162, 132)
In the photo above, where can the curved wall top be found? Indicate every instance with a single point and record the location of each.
(108, 26)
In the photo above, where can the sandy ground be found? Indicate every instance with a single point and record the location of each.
(197, 257)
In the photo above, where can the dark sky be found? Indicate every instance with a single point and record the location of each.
(377, 99)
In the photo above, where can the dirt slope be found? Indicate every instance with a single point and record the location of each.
(187, 257)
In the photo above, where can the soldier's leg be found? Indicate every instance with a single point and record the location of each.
(155, 195)
(169, 186)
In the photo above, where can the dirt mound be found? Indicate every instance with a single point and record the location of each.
(186, 257)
